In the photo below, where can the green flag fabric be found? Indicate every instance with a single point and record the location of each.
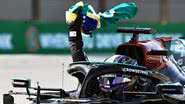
(92, 20)
(122, 11)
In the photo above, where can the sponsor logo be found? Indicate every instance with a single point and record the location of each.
(135, 71)
(88, 42)
(6, 41)
(36, 40)
(54, 40)
(32, 39)
(72, 34)
(107, 40)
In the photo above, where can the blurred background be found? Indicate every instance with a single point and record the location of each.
(54, 10)
(38, 26)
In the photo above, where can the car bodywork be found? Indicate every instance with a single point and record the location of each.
(158, 94)
(177, 46)
(141, 50)
(151, 56)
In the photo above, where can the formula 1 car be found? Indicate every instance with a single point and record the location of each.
(177, 46)
(105, 82)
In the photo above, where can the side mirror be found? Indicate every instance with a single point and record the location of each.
(23, 83)
(160, 52)
(169, 88)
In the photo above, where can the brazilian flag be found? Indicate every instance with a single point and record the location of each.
(91, 20)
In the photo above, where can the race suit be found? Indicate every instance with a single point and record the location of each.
(76, 42)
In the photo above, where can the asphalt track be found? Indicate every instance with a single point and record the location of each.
(48, 70)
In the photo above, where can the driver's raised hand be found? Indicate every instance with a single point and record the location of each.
(74, 27)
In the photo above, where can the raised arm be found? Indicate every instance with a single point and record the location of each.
(75, 40)
(81, 17)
